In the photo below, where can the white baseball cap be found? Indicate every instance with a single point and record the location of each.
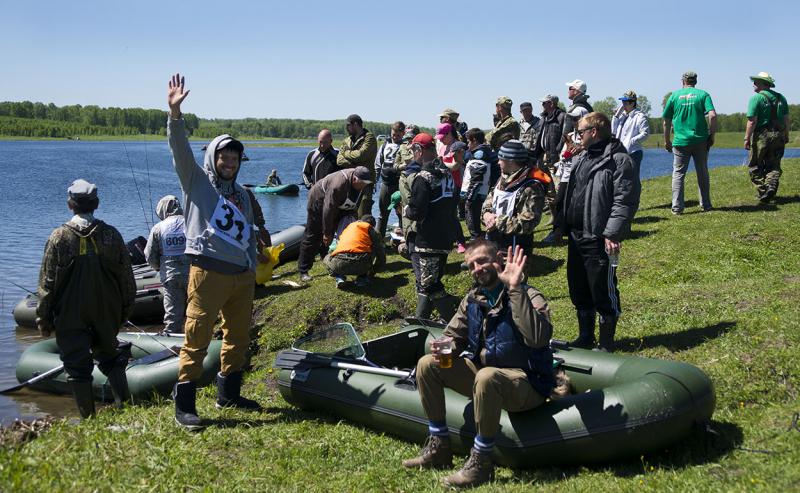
(578, 84)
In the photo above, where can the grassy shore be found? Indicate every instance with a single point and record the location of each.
(719, 290)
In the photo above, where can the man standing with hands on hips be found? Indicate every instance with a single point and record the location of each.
(221, 247)
(501, 335)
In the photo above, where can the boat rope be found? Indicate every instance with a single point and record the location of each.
(138, 192)
(151, 337)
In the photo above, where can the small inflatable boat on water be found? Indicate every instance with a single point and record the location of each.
(153, 367)
(148, 306)
(287, 189)
(622, 405)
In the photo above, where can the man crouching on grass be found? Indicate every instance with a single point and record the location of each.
(501, 327)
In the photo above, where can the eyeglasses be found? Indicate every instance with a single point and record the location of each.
(580, 132)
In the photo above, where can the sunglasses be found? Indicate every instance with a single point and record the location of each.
(580, 132)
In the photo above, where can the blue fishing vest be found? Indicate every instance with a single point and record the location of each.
(505, 347)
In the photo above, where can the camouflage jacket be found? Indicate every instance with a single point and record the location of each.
(63, 246)
(519, 204)
(506, 129)
(404, 156)
(359, 152)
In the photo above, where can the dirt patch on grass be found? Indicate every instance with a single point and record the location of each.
(20, 432)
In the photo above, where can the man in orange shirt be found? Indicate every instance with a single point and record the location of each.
(359, 252)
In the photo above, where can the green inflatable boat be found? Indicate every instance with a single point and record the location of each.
(153, 367)
(622, 405)
(287, 189)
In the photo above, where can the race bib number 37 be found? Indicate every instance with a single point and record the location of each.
(229, 224)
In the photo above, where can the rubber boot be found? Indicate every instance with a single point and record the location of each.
(424, 306)
(185, 396)
(229, 393)
(435, 454)
(608, 328)
(119, 386)
(84, 398)
(585, 338)
(447, 306)
(478, 469)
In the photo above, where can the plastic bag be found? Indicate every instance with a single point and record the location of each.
(264, 269)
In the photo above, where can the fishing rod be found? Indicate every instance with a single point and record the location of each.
(151, 337)
(149, 188)
(20, 287)
(138, 192)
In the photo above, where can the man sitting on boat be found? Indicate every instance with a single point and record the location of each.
(501, 334)
(359, 252)
(86, 291)
(273, 180)
(165, 254)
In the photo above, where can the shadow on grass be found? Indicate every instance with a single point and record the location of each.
(542, 266)
(704, 444)
(396, 265)
(638, 233)
(648, 219)
(275, 289)
(676, 341)
(379, 287)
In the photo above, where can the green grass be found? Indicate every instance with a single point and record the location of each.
(719, 290)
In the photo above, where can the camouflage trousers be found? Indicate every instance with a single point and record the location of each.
(550, 197)
(429, 270)
(764, 167)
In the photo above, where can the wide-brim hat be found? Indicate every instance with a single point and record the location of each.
(764, 77)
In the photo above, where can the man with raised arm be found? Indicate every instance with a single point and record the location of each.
(221, 247)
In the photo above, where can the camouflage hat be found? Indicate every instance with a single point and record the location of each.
(764, 77)
(82, 190)
(449, 113)
(504, 101)
(690, 75)
(628, 96)
(552, 98)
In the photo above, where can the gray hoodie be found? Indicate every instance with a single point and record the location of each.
(218, 214)
(166, 244)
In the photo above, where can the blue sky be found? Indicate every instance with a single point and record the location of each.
(388, 61)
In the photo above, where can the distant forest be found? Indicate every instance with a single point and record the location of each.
(27, 119)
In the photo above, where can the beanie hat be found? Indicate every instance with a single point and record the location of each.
(513, 150)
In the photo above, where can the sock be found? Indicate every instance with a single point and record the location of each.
(483, 445)
(438, 428)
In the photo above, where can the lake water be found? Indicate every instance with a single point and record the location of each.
(33, 203)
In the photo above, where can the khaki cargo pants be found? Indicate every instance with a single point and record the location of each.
(492, 389)
(210, 293)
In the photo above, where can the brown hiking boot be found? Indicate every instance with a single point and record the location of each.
(478, 469)
(436, 454)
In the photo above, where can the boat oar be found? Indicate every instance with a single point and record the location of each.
(151, 337)
(49, 373)
(292, 359)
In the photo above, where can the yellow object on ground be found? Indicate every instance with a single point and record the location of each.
(264, 270)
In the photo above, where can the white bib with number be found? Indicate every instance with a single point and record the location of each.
(229, 224)
(173, 238)
(503, 202)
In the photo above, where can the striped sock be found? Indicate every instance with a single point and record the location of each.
(438, 428)
(483, 444)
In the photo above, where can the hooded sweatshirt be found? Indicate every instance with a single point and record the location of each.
(218, 215)
(167, 242)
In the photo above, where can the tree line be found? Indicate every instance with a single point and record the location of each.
(28, 119)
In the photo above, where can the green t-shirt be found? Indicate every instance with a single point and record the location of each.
(760, 107)
(687, 108)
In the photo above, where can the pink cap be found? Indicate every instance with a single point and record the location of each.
(442, 130)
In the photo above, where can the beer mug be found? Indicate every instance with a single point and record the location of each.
(445, 346)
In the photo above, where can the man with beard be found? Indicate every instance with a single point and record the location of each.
(596, 212)
(359, 149)
(501, 333)
(221, 247)
(430, 204)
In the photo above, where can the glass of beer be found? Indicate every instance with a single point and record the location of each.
(445, 346)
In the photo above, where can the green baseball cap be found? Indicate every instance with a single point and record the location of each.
(764, 77)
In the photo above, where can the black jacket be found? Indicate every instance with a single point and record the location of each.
(611, 195)
(431, 206)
